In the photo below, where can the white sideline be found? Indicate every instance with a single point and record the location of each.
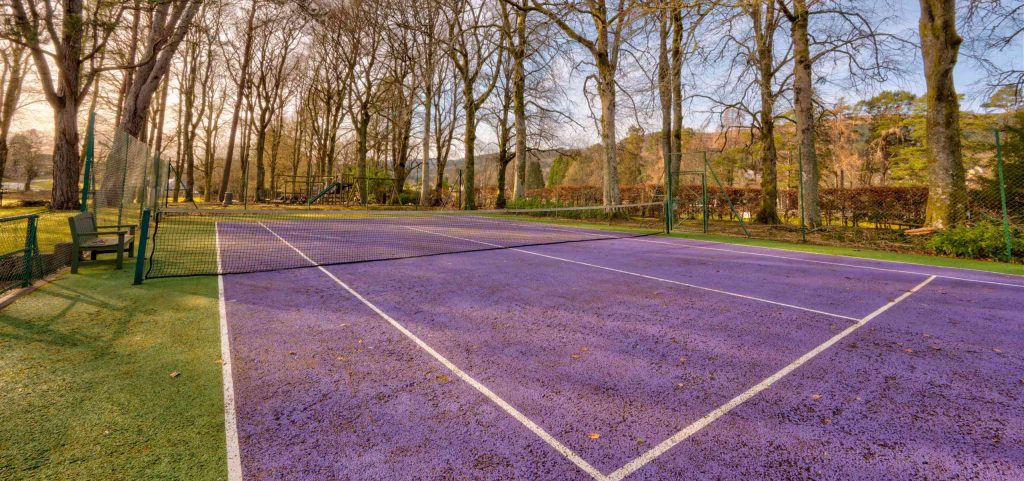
(234, 456)
(508, 408)
(690, 430)
(841, 264)
(645, 276)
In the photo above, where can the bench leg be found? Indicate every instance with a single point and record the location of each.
(131, 250)
(76, 256)
(92, 255)
(120, 256)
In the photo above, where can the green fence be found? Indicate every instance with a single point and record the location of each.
(728, 196)
(19, 252)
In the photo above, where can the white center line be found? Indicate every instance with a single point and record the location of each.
(645, 276)
(508, 408)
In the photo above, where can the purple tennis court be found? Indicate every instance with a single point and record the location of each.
(632, 358)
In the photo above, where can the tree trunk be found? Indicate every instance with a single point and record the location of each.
(519, 107)
(167, 34)
(261, 173)
(65, 157)
(665, 97)
(676, 83)
(940, 45)
(469, 143)
(362, 131)
(803, 94)
(11, 95)
(606, 90)
(763, 29)
(425, 167)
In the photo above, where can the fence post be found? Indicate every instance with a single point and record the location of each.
(140, 257)
(89, 152)
(30, 250)
(1002, 197)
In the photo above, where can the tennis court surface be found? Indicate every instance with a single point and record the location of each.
(630, 357)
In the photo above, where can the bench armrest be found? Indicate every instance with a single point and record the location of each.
(131, 227)
(118, 233)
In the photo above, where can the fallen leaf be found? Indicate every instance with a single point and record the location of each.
(291, 353)
(593, 435)
(584, 349)
(997, 350)
(175, 373)
(575, 356)
(681, 385)
(908, 350)
(220, 361)
(682, 360)
(826, 421)
(442, 378)
(816, 397)
(935, 348)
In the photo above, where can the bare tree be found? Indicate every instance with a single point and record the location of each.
(472, 50)
(13, 63)
(991, 28)
(601, 27)
(66, 36)
(240, 92)
(272, 68)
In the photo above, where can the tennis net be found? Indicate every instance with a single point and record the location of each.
(188, 242)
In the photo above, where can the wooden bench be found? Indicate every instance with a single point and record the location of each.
(87, 236)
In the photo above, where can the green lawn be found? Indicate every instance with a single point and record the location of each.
(85, 380)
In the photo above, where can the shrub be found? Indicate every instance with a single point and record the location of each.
(980, 241)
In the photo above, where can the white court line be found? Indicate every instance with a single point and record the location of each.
(234, 456)
(645, 276)
(508, 408)
(690, 430)
(842, 264)
(735, 402)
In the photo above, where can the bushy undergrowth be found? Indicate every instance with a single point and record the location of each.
(984, 240)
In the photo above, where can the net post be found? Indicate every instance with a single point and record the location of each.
(89, 152)
(800, 191)
(1002, 197)
(140, 257)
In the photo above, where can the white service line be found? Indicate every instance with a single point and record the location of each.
(645, 276)
(841, 264)
(690, 430)
(508, 408)
(234, 455)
